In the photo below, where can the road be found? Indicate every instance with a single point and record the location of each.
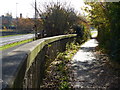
(6, 52)
(12, 39)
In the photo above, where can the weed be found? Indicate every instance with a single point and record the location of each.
(57, 73)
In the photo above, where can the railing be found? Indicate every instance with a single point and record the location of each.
(24, 67)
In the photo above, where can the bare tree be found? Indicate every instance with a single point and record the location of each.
(57, 18)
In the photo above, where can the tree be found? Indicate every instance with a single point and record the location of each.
(24, 24)
(58, 19)
(106, 18)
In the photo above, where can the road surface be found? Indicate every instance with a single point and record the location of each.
(13, 39)
(6, 52)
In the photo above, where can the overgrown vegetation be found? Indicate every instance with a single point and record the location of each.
(59, 18)
(57, 74)
(105, 16)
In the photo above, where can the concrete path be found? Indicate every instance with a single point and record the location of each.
(90, 70)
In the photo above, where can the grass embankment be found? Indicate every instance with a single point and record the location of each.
(14, 44)
(57, 74)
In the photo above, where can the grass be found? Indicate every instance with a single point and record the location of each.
(6, 30)
(14, 44)
(12, 35)
(65, 57)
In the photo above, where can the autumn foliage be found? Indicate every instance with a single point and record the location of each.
(25, 24)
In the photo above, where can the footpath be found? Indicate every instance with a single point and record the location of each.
(91, 69)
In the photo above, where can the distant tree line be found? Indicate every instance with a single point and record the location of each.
(24, 24)
(19, 24)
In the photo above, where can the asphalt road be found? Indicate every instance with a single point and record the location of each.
(13, 39)
(5, 53)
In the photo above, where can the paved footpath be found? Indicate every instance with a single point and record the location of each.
(90, 69)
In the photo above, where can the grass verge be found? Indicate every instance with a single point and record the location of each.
(12, 35)
(6, 30)
(14, 44)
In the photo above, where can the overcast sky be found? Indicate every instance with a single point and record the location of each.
(25, 6)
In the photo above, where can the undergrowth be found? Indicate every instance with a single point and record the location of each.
(57, 74)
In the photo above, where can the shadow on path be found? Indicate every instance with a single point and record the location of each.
(90, 69)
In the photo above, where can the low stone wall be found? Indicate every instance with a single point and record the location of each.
(25, 66)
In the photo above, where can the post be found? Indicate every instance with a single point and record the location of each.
(16, 10)
(35, 26)
(16, 17)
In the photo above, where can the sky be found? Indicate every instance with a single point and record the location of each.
(25, 6)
